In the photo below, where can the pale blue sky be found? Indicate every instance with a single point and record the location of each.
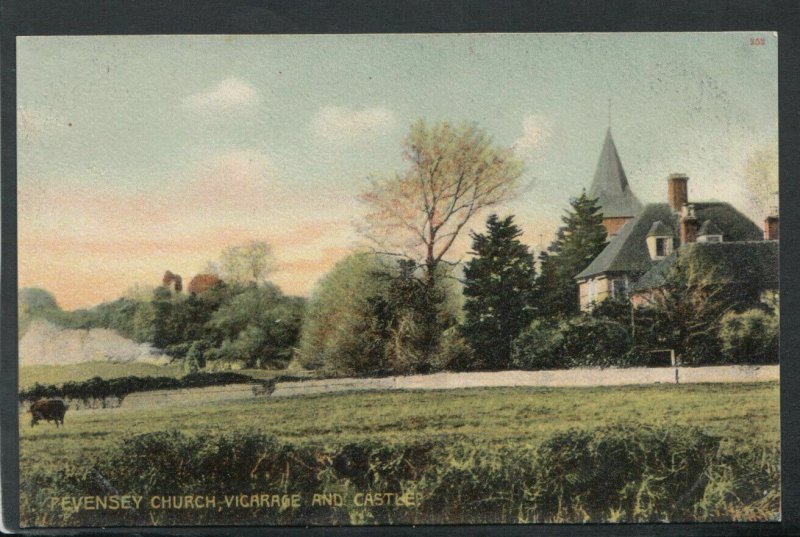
(303, 120)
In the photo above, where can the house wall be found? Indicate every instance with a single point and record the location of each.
(602, 290)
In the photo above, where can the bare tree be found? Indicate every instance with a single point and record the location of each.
(454, 173)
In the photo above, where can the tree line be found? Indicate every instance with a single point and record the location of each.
(407, 305)
(104, 392)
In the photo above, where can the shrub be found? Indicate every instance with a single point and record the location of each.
(609, 474)
(590, 341)
(749, 337)
(97, 390)
(373, 316)
(540, 346)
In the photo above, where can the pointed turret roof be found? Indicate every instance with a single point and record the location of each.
(610, 185)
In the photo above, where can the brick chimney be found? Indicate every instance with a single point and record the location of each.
(771, 228)
(688, 224)
(677, 191)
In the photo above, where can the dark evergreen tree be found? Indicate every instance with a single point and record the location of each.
(499, 289)
(577, 243)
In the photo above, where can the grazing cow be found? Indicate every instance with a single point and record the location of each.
(48, 410)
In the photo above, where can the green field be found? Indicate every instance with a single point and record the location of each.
(744, 416)
(741, 413)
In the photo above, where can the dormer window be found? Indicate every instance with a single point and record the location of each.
(661, 247)
(659, 240)
(709, 232)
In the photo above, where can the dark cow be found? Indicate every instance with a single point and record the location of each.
(48, 410)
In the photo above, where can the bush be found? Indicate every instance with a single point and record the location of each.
(583, 341)
(609, 474)
(454, 353)
(97, 390)
(540, 346)
(590, 341)
(373, 316)
(749, 337)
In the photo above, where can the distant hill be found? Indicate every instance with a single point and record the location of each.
(45, 343)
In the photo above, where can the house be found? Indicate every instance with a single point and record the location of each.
(644, 241)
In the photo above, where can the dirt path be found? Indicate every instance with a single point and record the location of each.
(445, 381)
(556, 378)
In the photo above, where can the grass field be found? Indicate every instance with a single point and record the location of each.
(744, 416)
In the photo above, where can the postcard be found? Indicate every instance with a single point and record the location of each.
(398, 279)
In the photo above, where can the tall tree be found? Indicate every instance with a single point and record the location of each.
(577, 243)
(499, 290)
(454, 172)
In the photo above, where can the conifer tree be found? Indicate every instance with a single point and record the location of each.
(577, 243)
(499, 287)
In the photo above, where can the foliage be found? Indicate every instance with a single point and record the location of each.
(749, 337)
(373, 316)
(603, 474)
(577, 243)
(454, 172)
(97, 390)
(124, 315)
(33, 302)
(690, 305)
(539, 346)
(339, 332)
(258, 327)
(582, 341)
(247, 263)
(499, 288)
(592, 341)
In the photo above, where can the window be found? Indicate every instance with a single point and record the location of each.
(661, 247)
(618, 288)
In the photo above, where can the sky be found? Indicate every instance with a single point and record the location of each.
(139, 154)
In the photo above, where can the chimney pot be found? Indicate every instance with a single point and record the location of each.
(677, 191)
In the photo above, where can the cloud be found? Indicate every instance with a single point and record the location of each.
(229, 94)
(535, 132)
(341, 124)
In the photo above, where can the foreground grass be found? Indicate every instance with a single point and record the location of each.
(470, 442)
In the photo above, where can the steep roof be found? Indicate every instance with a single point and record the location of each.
(746, 261)
(610, 185)
(627, 251)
